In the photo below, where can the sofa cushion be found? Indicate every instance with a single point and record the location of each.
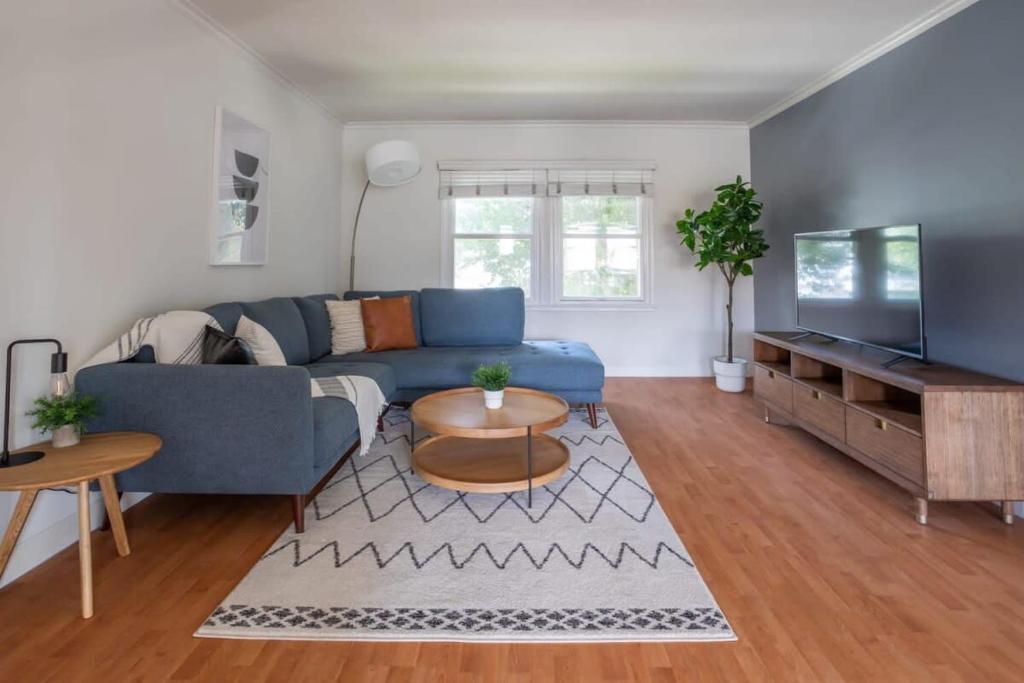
(545, 365)
(379, 372)
(227, 314)
(387, 323)
(365, 294)
(334, 424)
(281, 317)
(472, 317)
(318, 323)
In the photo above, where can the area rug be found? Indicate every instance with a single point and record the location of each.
(386, 556)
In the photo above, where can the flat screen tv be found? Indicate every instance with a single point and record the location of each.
(863, 286)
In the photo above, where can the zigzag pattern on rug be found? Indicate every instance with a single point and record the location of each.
(409, 549)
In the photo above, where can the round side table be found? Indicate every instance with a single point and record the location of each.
(96, 456)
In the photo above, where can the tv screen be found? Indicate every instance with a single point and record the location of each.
(863, 286)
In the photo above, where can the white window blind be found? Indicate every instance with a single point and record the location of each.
(492, 183)
(601, 182)
(560, 181)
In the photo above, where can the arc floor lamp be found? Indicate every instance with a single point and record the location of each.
(388, 164)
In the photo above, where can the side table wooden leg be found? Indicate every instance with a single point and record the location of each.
(17, 523)
(85, 548)
(113, 504)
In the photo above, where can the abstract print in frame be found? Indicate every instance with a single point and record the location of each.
(240, 220)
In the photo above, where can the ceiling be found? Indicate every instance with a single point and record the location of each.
(673, 60)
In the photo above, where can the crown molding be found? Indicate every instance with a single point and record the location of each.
(204, 20)
(540, 123)
(886, 45)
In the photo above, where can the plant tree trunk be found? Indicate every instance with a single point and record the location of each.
(728, 315)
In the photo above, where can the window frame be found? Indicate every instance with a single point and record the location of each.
(546, 246)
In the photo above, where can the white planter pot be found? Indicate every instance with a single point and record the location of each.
(494, 399)
(65, 436)
(732, 376)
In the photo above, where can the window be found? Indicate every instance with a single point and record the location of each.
(493, 244)
(600, 247)
(568, 238)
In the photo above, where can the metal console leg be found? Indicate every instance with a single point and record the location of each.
(529, 467)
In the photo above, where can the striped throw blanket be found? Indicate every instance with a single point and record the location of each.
(362, 392)
(177, 339)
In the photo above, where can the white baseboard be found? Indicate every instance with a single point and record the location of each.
(32, 551)
(652, 371)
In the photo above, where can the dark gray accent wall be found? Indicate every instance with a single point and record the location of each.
(931, 133)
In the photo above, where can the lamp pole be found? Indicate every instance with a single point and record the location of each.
(355, 229)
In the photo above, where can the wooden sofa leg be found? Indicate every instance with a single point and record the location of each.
(592, 413)
(299, 512)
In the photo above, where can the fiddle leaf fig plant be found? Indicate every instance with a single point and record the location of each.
(724, 236)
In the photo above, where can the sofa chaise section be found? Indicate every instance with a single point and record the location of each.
(459, 329)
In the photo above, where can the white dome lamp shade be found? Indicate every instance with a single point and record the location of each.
(391, 163)
(388, 164)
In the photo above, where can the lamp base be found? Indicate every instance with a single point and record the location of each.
(23, 458)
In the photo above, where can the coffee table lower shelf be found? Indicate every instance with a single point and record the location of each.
(490, 465)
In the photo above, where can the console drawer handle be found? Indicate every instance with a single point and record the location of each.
(816, 395)
(883, 425)
(771, 374)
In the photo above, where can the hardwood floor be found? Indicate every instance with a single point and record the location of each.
(817, 562)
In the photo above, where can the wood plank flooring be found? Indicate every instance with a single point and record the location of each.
(816, 561)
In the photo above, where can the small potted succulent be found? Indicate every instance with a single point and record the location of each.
(64, 416)
(493, 379)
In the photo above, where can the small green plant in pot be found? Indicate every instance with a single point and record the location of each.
(493, 379)
(724, 236)
(64, 416)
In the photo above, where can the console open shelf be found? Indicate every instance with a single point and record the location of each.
(941, 432)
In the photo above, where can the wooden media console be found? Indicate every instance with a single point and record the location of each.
(940, 432)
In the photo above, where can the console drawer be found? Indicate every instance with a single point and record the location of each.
(821, 410)
(773, 387)
(896, 448)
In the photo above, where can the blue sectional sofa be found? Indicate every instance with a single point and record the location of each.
(257, 430)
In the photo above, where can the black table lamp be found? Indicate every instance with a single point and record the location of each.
(59, 385)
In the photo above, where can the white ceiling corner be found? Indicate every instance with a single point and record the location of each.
(661, 62)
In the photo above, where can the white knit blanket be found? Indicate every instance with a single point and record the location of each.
(177, 339)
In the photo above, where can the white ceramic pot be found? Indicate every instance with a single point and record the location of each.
(494, 399)
(65, 436)
(732, 376)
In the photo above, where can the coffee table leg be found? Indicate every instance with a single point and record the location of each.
(529, 467)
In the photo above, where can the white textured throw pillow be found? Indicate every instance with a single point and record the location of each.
(264, 347)
(347, 333)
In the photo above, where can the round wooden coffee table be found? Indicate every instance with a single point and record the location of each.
(479, 450)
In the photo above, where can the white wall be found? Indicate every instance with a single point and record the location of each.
(106, 142)
(400, 230)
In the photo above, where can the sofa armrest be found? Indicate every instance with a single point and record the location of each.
(225, 428)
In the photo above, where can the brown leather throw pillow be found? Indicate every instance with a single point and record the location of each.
(388, 323)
